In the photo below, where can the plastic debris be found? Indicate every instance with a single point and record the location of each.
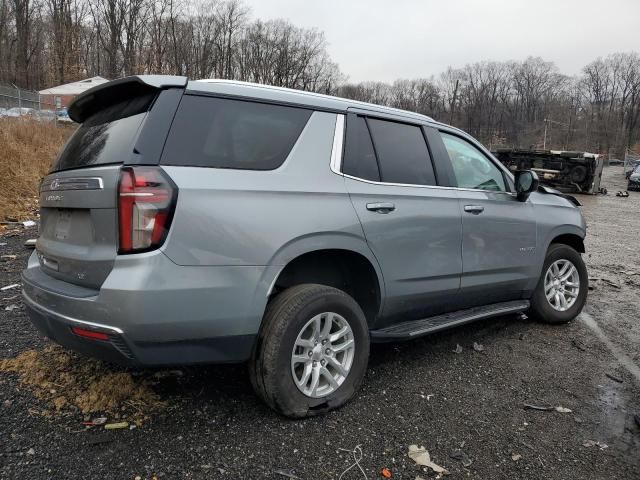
(458, 348)
(116, 426)
(563, 410)
(95, 422)
(8, 257)
(592, 443)
(31, 451)
(478, 347)
(421, 456)
(515, 457)
(386, 473)
(29, 223)
(9, 287)
(10, 308)
(546, 408)
(31, 243)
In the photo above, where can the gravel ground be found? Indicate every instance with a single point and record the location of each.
(419, 392)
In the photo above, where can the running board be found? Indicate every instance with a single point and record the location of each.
(418, 328)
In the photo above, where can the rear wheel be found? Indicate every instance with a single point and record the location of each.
(562, 289)
(312, 352)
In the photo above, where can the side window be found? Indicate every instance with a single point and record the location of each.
(223, 133)
(402, 153)
(359, 156)
(471, 167)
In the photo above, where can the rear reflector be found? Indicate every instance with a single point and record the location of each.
(90, 334)
(146, 201)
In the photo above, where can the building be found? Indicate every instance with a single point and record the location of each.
(62, 95)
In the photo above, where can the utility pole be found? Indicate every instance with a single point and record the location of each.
(544, 142)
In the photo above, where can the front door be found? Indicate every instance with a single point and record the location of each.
(498, 231)
(412, 226)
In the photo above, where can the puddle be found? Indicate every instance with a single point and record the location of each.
(625, 361)
(615, 424)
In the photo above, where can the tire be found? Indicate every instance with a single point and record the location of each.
(541, 308)
(271, 368)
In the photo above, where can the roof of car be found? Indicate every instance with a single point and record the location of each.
(296, 97)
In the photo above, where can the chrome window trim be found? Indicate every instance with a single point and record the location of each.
(436, 187)
(337, 153)
(338, 142)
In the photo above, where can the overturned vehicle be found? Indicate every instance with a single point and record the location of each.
(571, 172)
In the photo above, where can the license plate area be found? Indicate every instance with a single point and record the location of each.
(63, 224)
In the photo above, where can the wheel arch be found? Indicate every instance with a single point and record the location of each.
(573, 240)
(327, 250)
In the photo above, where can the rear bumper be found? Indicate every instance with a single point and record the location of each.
(155, 313)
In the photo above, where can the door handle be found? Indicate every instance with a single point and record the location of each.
(475, 209)
(381, 207)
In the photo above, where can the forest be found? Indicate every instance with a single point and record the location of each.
(526, 103)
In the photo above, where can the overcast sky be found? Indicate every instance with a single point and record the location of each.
(389, 39)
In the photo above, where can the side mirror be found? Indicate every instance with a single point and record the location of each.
(526, 182)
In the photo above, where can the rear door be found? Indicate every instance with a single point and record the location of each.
(498, 231)
(412, 226)
(78, 239)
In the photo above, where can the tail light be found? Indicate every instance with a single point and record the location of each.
(146, 202)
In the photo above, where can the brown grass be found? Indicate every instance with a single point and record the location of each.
(69, 383)
(27, 149)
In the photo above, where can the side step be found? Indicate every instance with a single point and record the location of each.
(418, 328)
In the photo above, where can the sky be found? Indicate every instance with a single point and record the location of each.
(385, 40)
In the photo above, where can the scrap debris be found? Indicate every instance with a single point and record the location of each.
(357, 458)
(547, 408)
(284, 473)
(591, 443)
(478, 347)
(613, 377)
(421, 456)
(386, 473)
(9, 287)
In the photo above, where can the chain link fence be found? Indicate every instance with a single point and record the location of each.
(13, 97)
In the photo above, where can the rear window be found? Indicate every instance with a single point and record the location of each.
(107, 136)
(223, 133)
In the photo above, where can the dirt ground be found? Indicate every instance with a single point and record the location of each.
(460, 406)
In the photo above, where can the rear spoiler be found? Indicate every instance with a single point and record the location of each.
(553, 191)
(96, 98)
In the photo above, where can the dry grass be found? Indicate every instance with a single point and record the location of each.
(69, 384)
(27, 149)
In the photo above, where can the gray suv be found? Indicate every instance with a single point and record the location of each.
(191, 222)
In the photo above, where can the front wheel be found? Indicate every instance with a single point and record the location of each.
(312, 352)
(562, 289)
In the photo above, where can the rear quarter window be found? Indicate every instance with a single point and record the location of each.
(238, 134)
